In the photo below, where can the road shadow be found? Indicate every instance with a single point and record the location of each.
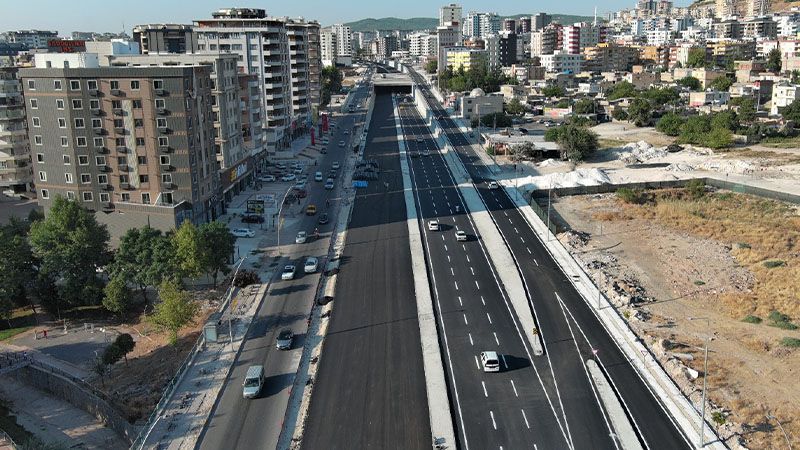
(515, 363)
(275, 384)
(261, 326)
(286, 290)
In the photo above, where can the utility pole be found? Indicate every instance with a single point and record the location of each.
(780, 425)
(705, 379)
(548, 210)
(231, 305)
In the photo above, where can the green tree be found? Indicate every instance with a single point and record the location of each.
(576, 143)
(432, 66)
(696, 58)
(553, 90)
(117, 299)
(721, 83)
(745, 109)
(218, 244)
(514, 107)
(125, 344)
(111, 354)
(661, 96)
(175, 310)
(622, 89)
(693, 129)
(639, 112)
(726, 120)
(331, 79)
(717, 138)
(690, 82)
(71, 246)
(584, 106)
(189, 250)
(670, 124)
(134, 258)
(619, 114)
(791, 112)
(774, 62)
(17, 270)
(101, 369)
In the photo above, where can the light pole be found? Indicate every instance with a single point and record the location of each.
(705, 379)
(231, 304)
(280, 210)
(548, 210)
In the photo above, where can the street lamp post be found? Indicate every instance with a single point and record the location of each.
(705, 379)
(230, 305)
(280, 210)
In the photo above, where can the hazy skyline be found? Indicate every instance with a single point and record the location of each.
(114, 15)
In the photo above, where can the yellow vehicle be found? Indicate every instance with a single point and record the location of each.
(311, 210)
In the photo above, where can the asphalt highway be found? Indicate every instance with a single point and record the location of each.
(571, 332)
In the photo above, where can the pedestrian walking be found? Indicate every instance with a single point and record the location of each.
(45, 333)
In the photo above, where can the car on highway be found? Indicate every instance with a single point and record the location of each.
(346, 132)
(329, 184)
(289, 177)
(335, 165)
(493, 185)
(288, 272)
(267, 178)
(426, 152)
(284, 340)
(252, 218)
(311, 265)
(299, 186)
(298, 170)
(301, 237)
(420, 140)
(243, 232)
(433, 225)
(253, 381)
(311, 210)
(323, 219)
(341, 143)
(318, 176)
(490, 361)
(461, 235)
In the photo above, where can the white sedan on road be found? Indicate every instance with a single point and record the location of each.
(243, 233)
(493, 185)
(301, 237)
(288, 272)
(289, 177)
(311, 265)
(461, 235)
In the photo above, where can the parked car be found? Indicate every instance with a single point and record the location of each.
(323, 219)
(335, 165)
(284, 340)
(298, 170)
(318, 176)
(243, 233)
(461, 235)
(280, 166)
(311, 265)
(252, 218)
(267, 178)
(300, 238)
(289, 177)
(300, 185)
(288, 272)
(341, 143)
(311, 210)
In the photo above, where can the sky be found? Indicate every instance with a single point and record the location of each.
(116, 15)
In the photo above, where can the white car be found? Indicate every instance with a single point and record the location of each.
(420, 140)
(267, 178)
(243, 232)
(341, 143)
(461, 235)
(300, 185)
(433, 225)
(289, 177)
(288, 272)
(329, 184)
(493, 185)
(335, 165)
(490, 361)
(300, 238)
(346, 132)
(318, 176)
(298, 170)
(311, 265)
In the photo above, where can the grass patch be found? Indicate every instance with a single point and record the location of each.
(699, 283)
(718, 418)
(743, 245)
(752, 319)
(773, 263)
(780, 320)
(11, 332)
(781, 142)
(790, 342)
(605, 144)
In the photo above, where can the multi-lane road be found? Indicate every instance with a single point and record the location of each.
(570, 331)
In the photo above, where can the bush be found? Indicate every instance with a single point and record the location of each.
(743, 245)
(619, 114)
(246, 278)
(752, 319)
(773, 263)
(781, 320)
(112, 354)
(670, 124)
(718, 418)
(629, 195)
(790, 342)
(696, 189)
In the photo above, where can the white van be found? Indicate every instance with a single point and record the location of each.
(253, 381)
(490, 361)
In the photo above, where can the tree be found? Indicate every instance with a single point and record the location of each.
(189, 250)
(690, 82)
(125, 344)
(640, 112)
(670, 124)
(745, 109)
(619, 114)
(432, 66)
(721, 83)
(553, 91)
(134, 258)
(774, 63)
(217, 246)
(576, 143)
(101, 369)
(522, 152)
(726, 120)
(331, 79)
(791, 112)
(17, 270)
(514, 107)
(622, 89)
(696, 58)
(693, 129)
(661, 96)
(111, 354)
(71, 246)
(175, 310)
(117, 299)
(718, 138)
(584, 106)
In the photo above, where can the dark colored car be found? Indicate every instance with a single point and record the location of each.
(253, 218)
(323, 219)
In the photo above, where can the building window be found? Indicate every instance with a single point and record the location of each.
(31, 85)
(118, 123)
(83, 160)
(160, 103)
(138, 123)
(102, 179)
(123, 179)
(80, 123)
(37, 140)
(81, 141)
(116, 104)
(74, 85)
(140, 142)
(100, 160)
(163, 141)
(158, 84)
(98, 142)
(122, 160)
(45, 193)
(34, 103)
(59, 103)
(166, 178)
(64, 141)
(97, 123)
(126, 197)
(62, 122)
(137, 104)
(104, 197)
(114, 84)
(70, 195)
(146, 198)
(86, 178)
(68, 178)
(144, 179)
(135, 85)
(67, 160)
(87, 196)
(57, 85)
(119, 142)
(36, 122)
(40, 157)
(91, 84)
(141, 160)
(42, 176)
(166, 198)
(161, 122)
(77, 103)
(164, 159)
(94, 104)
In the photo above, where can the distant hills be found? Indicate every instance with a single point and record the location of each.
(428, 23)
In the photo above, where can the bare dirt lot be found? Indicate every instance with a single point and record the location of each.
(724, 267)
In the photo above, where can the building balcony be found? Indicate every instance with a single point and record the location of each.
(12, 113)
(21, 131)
(273, 96)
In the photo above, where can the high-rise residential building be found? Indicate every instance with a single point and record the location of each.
(547, 40)
(726, 8)
(133, 144)
(29, 38)
(501, 49)
(422, 44)
(561, 62)
(540, 20)
(450, 15)
(524, 25)
(758, 8)
(465, 57)
(610, 58)
(344, 40)
(327, 44)
(510, 25)
(579, 36)
(387, 45)
(269, 47)
(314, 56)
(15, 156)
(305, 68)
(446, 37)
(480, 24)
(165, 38)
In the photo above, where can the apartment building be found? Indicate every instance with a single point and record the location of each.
(610, 58)
(30, 38)
(165, 38)
(450, 15)
(133, 144)
(15, 156)
(540, 21)
(446, 37)
(465, 57)
(547, 40)
(344, 40)
(561, 62)
(501, 49)
(327, 44)
(480, 24)
(758, 8)
(524, 25)
(726, 8)
(306, 69)
(422, 44)
(783, 95)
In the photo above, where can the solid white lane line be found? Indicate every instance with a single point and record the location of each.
(537, 262)
(460, 302)
(476, 362)
(514, 387)
(470, 339)
(456, 283)
(483, 301)
(526, 419)
(489, 317)
(485, 394)
(452, 272)
(494, 424)
(495, 338)
(472, 270)
(477, 285)
(465, 319)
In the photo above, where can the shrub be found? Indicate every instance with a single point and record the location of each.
(246, 278)
(790, 342)
(112, 354)
(696, 188)
(718, 417)
(773, 263)
(781, 320)
(629, 195)
(743, 245)
(670, 124)
(752, 319)
(699, 283)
